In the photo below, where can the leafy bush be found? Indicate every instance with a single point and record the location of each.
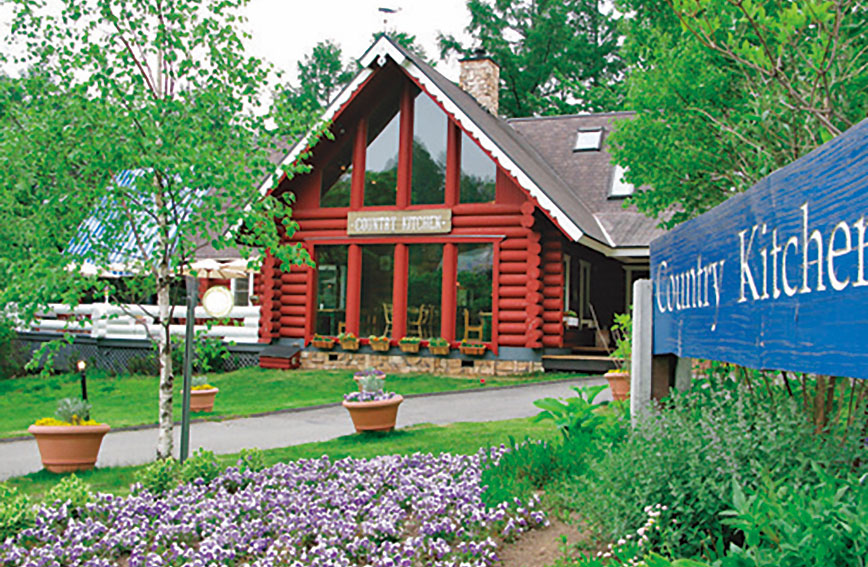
(71, 490)
(73, 410)
(15, 512)
(13, 355)
(687, 456)
(252, 460)
(143, 365)
(201, 466)
(158, 477)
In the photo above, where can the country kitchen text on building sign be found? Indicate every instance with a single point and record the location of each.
(428, 221)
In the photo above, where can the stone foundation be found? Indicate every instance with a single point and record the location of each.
(397, 364)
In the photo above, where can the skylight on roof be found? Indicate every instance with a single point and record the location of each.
(620, 188)
(588, 140)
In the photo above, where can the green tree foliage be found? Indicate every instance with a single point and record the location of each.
(727, 92)
(321, 75)
(164, 88)
(555, 56)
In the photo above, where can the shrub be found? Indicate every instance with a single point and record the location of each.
(252, 460)
(687, 456)
(71, 490)
(201, 466)
(15, 512)
(13, 355)
(143, 365)
(158, 477)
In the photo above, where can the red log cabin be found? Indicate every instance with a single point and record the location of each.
(429, 216)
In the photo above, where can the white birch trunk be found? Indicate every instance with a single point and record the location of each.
(167, 378)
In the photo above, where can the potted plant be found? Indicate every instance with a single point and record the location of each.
(372, 408)
(380, 343)
(410, 344)
(365, 376)
(323, 342)
(471, 348)
(202, 394)
(619, 379)
(71, 441)
(571, 319)
(348, 341)
(438, 346)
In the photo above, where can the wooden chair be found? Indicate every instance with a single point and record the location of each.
(468, 328)
(418, 323)
(387, 316)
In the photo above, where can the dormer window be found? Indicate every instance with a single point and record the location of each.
(588, 140)
(620, 188)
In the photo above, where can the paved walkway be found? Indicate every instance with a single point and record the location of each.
(120, 448)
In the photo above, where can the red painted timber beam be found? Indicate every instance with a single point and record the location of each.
(405, 148)
(448, 291)
(453, 167)
(360, 148)
(354, 288)
(399, 291)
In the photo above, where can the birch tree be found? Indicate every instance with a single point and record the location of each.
(164, 125)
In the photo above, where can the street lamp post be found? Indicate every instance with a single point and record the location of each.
(82, 367)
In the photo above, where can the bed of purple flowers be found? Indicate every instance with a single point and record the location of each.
(383, 512)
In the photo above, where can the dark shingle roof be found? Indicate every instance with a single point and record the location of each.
(588, 173)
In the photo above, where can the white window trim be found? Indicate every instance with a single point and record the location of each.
(233, 288)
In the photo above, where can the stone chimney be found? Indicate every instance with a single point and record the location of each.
(480, 78)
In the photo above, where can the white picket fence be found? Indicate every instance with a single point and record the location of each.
(100, 320)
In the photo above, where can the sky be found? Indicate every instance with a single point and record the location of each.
(284, 31)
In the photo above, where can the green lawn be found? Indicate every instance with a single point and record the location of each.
(132, 400)
(459, 438)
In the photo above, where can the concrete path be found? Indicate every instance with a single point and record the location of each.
(294, 427)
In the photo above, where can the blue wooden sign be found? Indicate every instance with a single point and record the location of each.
(776, 277)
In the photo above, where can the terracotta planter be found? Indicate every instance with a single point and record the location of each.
(374, 416)
(442, 350)
(472, 350)
(619, 383)
(203, 400)
(66, 448)
(350, 344)
(381, 346)
(409, 347)
(324, 345)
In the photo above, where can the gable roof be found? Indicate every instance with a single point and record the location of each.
(513, 151)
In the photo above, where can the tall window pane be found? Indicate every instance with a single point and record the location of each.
(429, 152)
(478, 173)
(424, 282)
(378, 263)
(473, 316)
(381, 162)
(337, 174)
(331, 265)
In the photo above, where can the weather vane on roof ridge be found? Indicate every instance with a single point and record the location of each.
(386, 13)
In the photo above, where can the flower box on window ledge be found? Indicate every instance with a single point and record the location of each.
(324, 343)
(348, 341)
(380, 344)
(439, 346)
(472, 349)
(410, 344)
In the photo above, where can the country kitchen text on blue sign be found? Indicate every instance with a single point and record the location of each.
(775, 277)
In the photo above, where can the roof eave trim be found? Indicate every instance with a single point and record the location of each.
(615, 252)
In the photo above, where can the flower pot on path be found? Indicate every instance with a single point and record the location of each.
(203, 400)
(619, 383)
(374, 416)
(67, 448)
